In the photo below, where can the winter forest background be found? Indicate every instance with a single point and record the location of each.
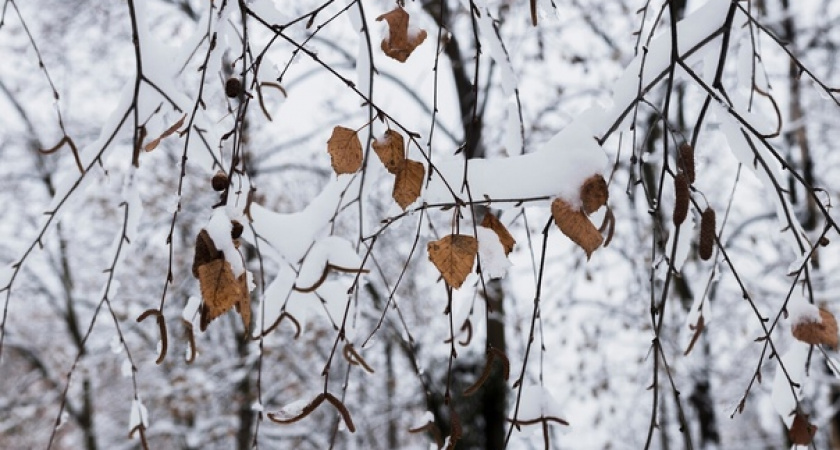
(425, 224)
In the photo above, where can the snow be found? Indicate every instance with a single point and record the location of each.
(126, 369)
(292, 409)
(190, 314)
(684, 243)
(329, 250)
(218, 227)
(139, 415)
(802, 312)
(537, 402)
(782, 397)
(491, 253)
(558, 168)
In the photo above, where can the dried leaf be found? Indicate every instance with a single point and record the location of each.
(801, 431)
(205, 251)
(574, 224)
(345, 150)
(681, 198)
(594, 193)
(391, 151)
(454, 256)
(400, 43)
(409, 183)
(707, 234)
(698, 329)
(815, 333)
(169, 131)
(492, 222)
(219, 290)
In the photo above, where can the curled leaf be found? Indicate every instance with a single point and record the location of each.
(169, 131)
(815, 333)
(574, 224)
(400, 41)
(492, 222)
(454, 256)
(594, 193)
(345, 150)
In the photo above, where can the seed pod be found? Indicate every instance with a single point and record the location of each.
(236, 229)
(707, 234)
(682, 197)
(219, 181)
(233, 87)
(687, 161)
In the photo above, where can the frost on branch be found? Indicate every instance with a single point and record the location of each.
(401, 40)
(454, 256)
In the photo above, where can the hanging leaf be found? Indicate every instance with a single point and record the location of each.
(345, 150)
(243, 306)
(574, 224)
(169, 131)
(698, 329)
(454, 256)
(594, 193)
(400, 42)
(391, 151)
(801, 431)
(409, 183)
(492, 222)
(219, 289)
(815, 333)
(205, 251)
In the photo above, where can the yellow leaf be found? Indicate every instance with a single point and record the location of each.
(454, 256)
(399, 44)
(219, 290)
(594, 193)
(575, 225)
(409, 183)
(490, 221)
(391, 151)
(345, 150)
(815, 333)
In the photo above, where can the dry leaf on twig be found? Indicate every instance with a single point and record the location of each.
(594, 193)
(815, 333)
(801, 431)
(400, 43)
(391, 151)
(169, 131)
(345, 150)
(409, 183)
(490, 221)
(574, 224)
(454, 256)
(219, 289)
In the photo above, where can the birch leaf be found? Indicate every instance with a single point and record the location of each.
(574, 224)
(801, 430)
(219, 290)
(594, 193)
(815, 333)
(391, 151)
(345, 150)
(490, 221)
(454, 256)
(409, 183)
(400, 41)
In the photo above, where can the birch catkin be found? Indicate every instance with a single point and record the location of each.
(682, 197)
(687, 161)
(707, 234)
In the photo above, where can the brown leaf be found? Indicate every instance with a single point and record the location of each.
(205, 251)
(345, 150)
(594, 193)
(454, 256)
(169, 131)
(219, 290)
(492, 222)
(409, 183)
(801, 431)
(399, 44)
(698, 329)
(816, 333)
(574, 224)
(391, 151)
(243, 306)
